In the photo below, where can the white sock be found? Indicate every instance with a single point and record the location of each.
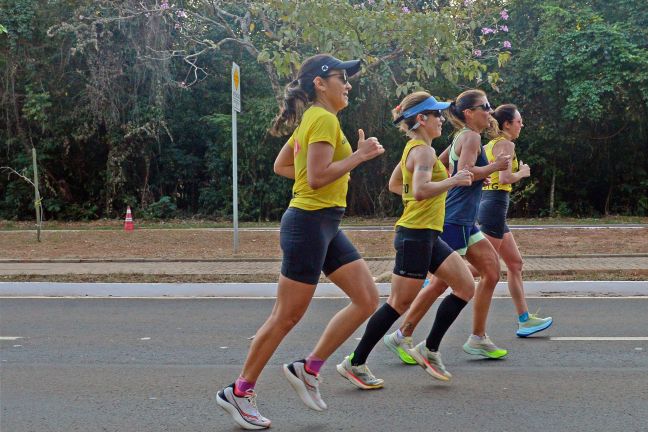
(399, 336)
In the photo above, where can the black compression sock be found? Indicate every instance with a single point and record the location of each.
(448, 311)
(378, 325)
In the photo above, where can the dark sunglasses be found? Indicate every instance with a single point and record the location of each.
(343, 76)
(485, 106)
(434, 113)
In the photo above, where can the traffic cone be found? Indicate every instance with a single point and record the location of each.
(128, 223)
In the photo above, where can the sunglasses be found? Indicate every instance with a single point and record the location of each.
(485, 106)
(434, 113)
(343, 77)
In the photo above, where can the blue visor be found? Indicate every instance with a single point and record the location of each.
(429, 104)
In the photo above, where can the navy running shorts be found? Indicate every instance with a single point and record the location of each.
(418, 251)
(492, 213)
(312, 242)
(461, 237)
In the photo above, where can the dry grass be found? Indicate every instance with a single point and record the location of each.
(212, 244)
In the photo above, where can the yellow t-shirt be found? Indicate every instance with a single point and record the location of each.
(428, 213)
(318, 125)
(494, 177)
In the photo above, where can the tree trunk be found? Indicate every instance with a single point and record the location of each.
(608, 198)
(552, 192)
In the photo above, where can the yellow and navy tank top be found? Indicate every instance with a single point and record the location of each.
(424, 214)
(318, 125)
(494, 177)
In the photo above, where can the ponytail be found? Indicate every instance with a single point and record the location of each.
(297, 95)
(455, 117)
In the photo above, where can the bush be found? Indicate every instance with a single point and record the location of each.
(165, 208)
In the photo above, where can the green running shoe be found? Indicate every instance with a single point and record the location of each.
(533, 325)
(400, 349)
(483, 347)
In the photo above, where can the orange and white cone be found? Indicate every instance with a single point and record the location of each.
(128, 223)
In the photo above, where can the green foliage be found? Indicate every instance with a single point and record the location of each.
(36, 105)
(582, 86)
(402, 46)
(129, 103)
(165, 208)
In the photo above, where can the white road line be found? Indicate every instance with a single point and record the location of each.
(599, 338)
(9, 338)
(584, 296)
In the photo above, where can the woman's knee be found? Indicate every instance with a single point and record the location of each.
(515, 265)
(465, 289)
(368, 301)
(399, 303)
(284, 322)
(490, 268)
(285, 318)
(490, 272)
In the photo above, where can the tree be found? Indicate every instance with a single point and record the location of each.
(402, 43)
(582, 84)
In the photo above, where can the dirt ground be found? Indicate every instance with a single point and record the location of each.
(212, 244)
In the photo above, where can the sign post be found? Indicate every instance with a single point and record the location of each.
(236, 107)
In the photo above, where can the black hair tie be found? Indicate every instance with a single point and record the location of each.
(454, 108)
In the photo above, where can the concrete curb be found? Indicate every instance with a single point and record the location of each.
(181, 290)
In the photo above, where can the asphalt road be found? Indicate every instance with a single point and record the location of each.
(154, 365)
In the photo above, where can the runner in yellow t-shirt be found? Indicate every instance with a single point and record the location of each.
(319, 158)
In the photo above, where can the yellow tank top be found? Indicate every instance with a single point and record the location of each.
(494, 177)
(424, 214)
(318, 125)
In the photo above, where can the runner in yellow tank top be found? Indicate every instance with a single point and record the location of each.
(470, 115)
(492, 214)
(421, 214)
(423, 183)
(495, 183)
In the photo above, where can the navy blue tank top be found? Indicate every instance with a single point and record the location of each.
(462, 202)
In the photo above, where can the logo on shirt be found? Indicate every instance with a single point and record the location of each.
(296, 148)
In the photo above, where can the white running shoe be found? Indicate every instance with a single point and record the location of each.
(242, 409)
(430, 361)
(305, 384)
(484, 347)
(360, 376)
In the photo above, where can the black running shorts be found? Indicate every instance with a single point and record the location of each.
(312, 243)
(418, 251)
(492, 213)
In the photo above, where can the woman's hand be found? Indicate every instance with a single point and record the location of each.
(463, 178)
(368, 148)
(502, 161)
